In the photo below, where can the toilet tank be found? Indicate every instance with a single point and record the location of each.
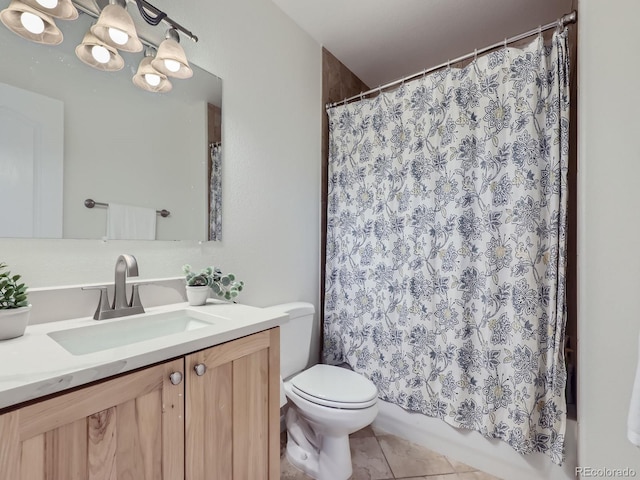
(295, 336)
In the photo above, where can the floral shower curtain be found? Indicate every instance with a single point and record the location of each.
(215, 193)
(446, 236)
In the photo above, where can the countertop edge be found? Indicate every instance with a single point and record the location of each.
(11, 397)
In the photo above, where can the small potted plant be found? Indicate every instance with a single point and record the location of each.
(210, 280)
(14, 306)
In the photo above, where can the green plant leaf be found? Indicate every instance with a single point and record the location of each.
(12, 293)
(222, 285)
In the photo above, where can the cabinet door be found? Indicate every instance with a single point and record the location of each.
(233, 410)
(131, 427)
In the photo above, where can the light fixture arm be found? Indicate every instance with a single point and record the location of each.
(147, 6)
(143, 6)
(150, 19)
(172, 34)
(149, 51)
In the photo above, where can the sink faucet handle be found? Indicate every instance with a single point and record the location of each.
(103, 303)
(135, 296)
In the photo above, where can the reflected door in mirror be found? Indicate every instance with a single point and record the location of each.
(31, 162)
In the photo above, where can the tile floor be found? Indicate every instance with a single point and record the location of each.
(377, 455)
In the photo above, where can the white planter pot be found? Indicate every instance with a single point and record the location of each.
(13, 322)
(197, 295)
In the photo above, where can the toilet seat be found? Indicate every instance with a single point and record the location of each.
(335, 387)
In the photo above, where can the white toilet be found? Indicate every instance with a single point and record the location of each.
(326, 403)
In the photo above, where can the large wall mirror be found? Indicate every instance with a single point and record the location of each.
(119, 144)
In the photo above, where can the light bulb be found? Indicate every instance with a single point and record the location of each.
(100, 53)
(172, 65)
(118, 36)
(32, 22)
(48, 3)
(152, 79)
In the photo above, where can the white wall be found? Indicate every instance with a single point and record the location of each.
(489, 455)
(608, 228)
(271, 74)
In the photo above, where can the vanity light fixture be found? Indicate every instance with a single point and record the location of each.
(115, 27)
(171, 59)
(98, 54)
(30, 23)
(148, 78)
(114, 30)
(62, 9)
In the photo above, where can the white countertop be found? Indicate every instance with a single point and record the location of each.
(35, 365)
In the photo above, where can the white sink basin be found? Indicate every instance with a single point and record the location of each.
(125, 331)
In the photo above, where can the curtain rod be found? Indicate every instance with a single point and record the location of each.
(567, 19)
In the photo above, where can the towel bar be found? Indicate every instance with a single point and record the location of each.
(90, 203)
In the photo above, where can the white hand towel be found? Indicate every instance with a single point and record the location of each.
(125, 222)
(633, 420)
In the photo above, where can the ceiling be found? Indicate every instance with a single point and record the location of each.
(384, 40)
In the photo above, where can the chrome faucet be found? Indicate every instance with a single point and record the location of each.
(125, 265)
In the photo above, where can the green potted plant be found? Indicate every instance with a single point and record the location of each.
(210, 280)
(14, 306)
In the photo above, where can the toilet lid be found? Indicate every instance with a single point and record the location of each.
(335, 387)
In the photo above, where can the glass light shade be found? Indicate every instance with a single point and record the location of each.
(92, 52)
(32, 22)
(115, 17)
(152, 79)
(118, 36)
(171, 65)
(49, 4)
(62, 9)
(171, 50)
(146, 70)
(100, 53)
(12, 18)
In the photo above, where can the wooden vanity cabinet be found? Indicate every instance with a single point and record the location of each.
(128, 427)
(221, 421)
(233, 410)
